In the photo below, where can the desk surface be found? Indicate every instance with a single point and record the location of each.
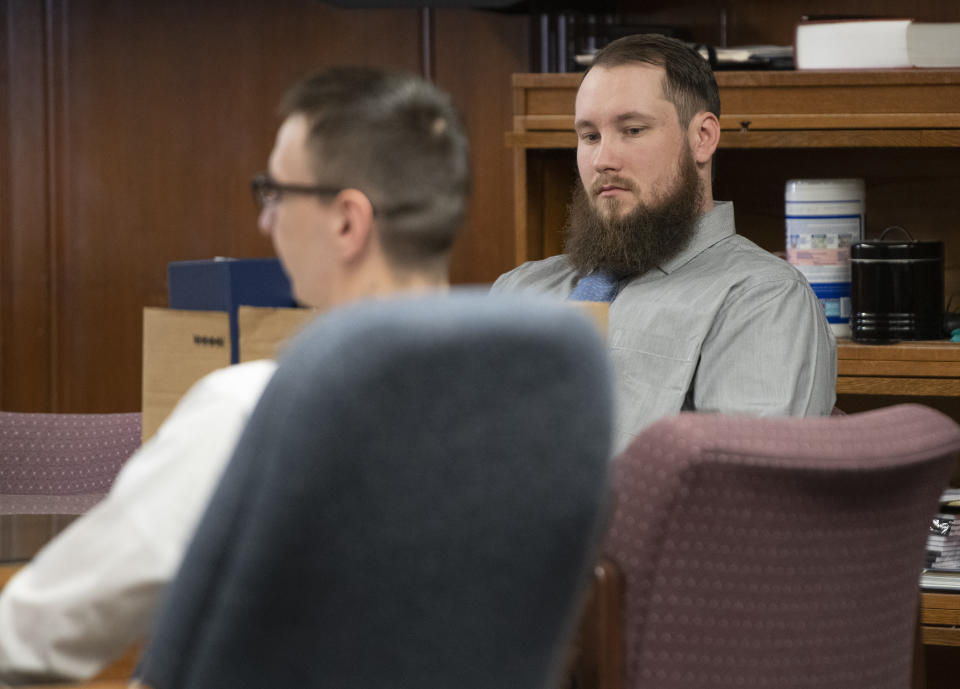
(930, 367)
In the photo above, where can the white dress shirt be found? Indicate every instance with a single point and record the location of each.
(91, 592)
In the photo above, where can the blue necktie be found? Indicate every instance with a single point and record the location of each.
(600, 285)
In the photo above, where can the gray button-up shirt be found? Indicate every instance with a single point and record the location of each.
(723, 326)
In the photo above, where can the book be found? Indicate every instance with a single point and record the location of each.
(876, 44)
(943, 542)
(948, 580)
(934, 44)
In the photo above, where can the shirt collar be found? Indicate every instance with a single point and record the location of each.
(711, 228)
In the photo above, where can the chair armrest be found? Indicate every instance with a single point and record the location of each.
(597, 656)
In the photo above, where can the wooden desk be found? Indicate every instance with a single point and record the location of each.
(940, 618)
(929, 368)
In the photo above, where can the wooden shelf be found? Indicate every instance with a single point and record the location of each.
(930, 368)
(836, 108)
(866, 109)
(940, 618)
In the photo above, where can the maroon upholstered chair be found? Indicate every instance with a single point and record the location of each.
(61, 463)
(777, 552)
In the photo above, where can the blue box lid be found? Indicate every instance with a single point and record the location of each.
(223, 284)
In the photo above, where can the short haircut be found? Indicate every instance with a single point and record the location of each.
(399, 140)
(689, 82)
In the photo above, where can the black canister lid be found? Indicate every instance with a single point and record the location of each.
(875, 249)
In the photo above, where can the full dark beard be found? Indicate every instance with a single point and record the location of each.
(643, 238)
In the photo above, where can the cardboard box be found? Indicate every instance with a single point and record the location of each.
(224, 284)
(180, 347)
(265, 331)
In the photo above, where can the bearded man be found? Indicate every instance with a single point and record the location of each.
(700, 317)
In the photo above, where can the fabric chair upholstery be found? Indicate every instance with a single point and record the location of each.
(777, 552)
(416, 501)
(62, 463)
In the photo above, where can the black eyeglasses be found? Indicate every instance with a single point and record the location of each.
(267, 191)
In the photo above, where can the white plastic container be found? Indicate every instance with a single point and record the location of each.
(824, 219)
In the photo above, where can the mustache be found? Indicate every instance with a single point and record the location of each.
(610, 181)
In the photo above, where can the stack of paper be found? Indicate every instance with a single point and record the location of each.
(943, 542)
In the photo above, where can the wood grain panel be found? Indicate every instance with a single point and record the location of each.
(163, 110)
(940, 608)
(559, 180)
(926, 351)
(941, 636)
(527, 216)
(566, 140)
(476, 52)
(942, 616)
(852, 97)
(840, 139)
(550, 176)
(857, 385)
(25, 270)
(949, 369)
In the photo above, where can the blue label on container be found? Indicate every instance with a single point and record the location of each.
(831, 290)
(835, 299)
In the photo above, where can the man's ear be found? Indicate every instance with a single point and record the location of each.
(355, 232)
(704, 133)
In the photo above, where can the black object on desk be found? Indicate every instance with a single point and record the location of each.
(896, 290)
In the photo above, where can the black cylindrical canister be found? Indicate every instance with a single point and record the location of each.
(896, 290)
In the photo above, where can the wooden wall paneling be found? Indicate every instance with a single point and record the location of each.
(164, 111)
(523, 206)
(4, 176)
(475, 54)
(26, 382)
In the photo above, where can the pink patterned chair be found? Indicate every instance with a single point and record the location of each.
(777, 553)
(61, 463)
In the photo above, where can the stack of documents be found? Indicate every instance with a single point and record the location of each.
(943, 546)
(943, 542)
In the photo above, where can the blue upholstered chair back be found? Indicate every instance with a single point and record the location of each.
(415, 503)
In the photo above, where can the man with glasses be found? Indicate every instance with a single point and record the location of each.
(366, 188)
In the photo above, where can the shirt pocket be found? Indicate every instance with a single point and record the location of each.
(653, 373)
